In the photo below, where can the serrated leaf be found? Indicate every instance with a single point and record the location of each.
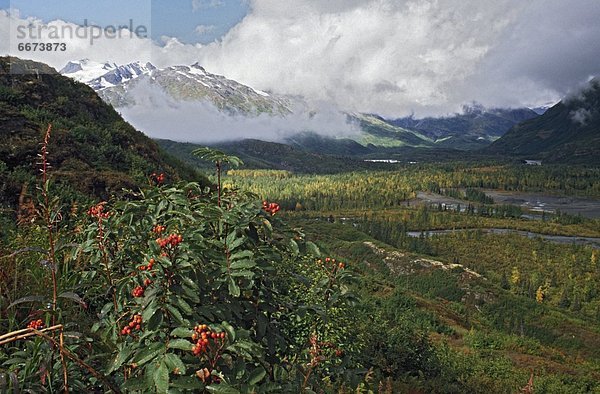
(148, 354)
(175, 313)
(256, 376)
(241, 255)
(242, 264)
(313, 249)
(150, 310)
(161, 378)
(230, 331)
(175, 364)
(187, 383)
(180, 344)
(155, 321)
(222, 388)
(121, 357)
(135, 384)
(182, 332)
(184, 306)
(234, 289)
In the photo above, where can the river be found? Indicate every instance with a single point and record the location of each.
(562, 239)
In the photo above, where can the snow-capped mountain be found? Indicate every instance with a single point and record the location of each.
(126, 85)
(86, 70)
(104, 75)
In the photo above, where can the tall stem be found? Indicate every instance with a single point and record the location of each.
(48, 221)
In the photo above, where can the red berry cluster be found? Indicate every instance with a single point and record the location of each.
(158, 178)
(134, 324)
(172, 240)
(158, 229)
(203, 336)
(138, 291)
(271, 208)
(147, 267)
(97, 211)
(332, 264)
(36, 324)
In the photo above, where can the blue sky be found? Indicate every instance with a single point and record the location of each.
(173, 18)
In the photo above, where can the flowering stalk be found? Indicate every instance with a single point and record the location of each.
(48, 219)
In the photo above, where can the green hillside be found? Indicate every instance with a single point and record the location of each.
(569, 132)
(91, 147)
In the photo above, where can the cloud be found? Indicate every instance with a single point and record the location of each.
(204, 29)
(392, 57)
(160, 116)
(581, 116)
(205, 4)
(430, 57)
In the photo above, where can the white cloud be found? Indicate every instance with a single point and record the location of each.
(160, 116)
(429, 56)
(581, 116)
(204, 29)
(206, 4)
(392, 57)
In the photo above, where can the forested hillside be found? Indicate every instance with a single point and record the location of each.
(92, 147)
(569, 132)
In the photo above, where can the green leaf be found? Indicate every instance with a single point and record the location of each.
(181, 344)
(242, 264)
(175, 364)
(150, 310)
(27, 299)
(184, 306)
(241, 255)
(135, 384)
(233, 245)
(256, 375)
(244, 273)
(294, 247)
(234, 289)
(182, 332)
(155, 321)
(261, 325)
(230, 331)
(313, 249)
(73, 296)
(122, 356)
(187, 383)
(222, 388)
(175, 313)
(161, 378)
(148, 354)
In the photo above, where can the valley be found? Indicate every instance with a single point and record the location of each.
(389, 259)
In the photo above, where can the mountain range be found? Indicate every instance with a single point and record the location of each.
(128, 85)
(568, 132)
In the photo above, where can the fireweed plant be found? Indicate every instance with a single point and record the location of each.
(179, 288)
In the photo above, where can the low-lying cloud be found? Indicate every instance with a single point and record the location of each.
(161, 116)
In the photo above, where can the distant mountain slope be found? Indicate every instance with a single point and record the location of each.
(148, 89)
(271, 155)
(125, 85)
(475, 128)
(104, 75)
(568, 132)
(92, 147)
